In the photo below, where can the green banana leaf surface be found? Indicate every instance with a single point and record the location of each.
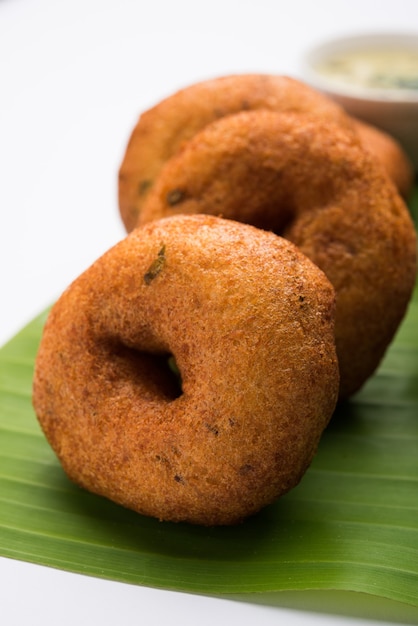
(351, 524)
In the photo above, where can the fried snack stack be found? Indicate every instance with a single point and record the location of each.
(271, 258)
(164, 129)
(270, 151)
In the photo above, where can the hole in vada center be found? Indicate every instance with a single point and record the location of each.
(169, 376)
(157, 374)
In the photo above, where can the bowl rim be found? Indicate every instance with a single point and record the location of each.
(356, 41)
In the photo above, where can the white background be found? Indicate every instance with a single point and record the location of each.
(74, 76)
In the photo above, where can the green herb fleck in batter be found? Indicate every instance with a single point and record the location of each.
(156, 266)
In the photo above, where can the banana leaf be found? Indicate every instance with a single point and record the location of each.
(351, 525)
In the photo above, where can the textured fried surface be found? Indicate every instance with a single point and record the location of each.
(163, 129)
(250, 322)
(312, 182)
(390, 154)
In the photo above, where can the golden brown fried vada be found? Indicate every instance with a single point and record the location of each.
(164, 128)
(312, 182)
(249, 320)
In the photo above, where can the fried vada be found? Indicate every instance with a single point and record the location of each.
(164, 128)
(313, 183)
(249, 321)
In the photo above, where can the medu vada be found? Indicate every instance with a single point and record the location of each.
(249, 321)
(313, 183)
(163, 129)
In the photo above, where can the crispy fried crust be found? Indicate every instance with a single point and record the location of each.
(163, 129)
(312, 182)
(250, 322)
(389, 153)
